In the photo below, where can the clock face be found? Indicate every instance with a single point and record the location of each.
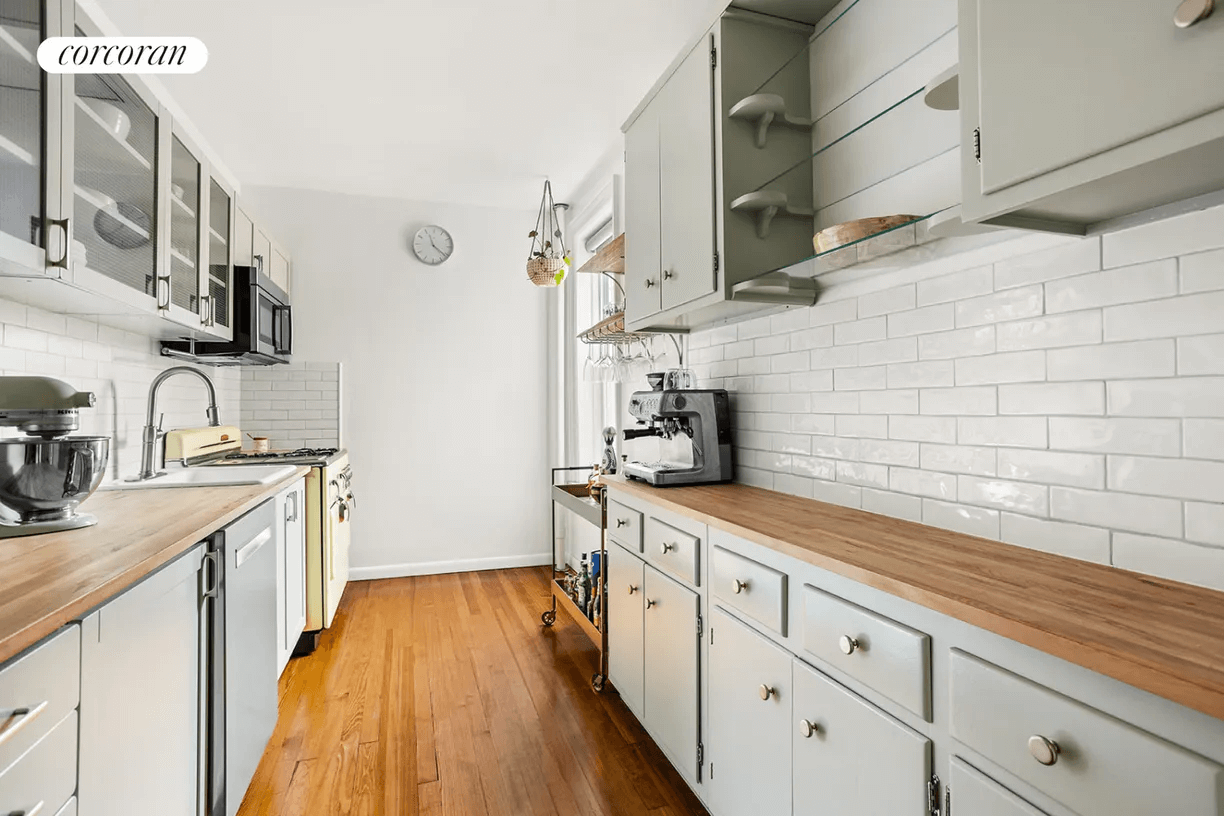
(432, 245)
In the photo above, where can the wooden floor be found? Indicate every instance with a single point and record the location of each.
(445, 695)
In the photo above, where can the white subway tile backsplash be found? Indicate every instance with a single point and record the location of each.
(1205, 523)
(974, 521)
(1171, 317)
(922, 428)
(951, 345)
(814, 467)
(1202, 272)
(1018, 497)
(792, 485)
(768, 345)
(1148, 358)
(1076, 329)
(1058, 537)
(901, 350)
(1171, 559)
(863, 474)
(927, 320)
(1204, 439)
(835, 447)
(791, 403)
(976, 401)
(904, 401)
(929, 374)
(814, 423)
(860, 331)
(807, 339)
(1045, 399)
(303, 403)
(19, 337)
(957, 286)
(1152, 437)
(1181, 235)
(788, 321)
(1177, 478)
(862, 425)
(922, 483)
(754, 477)
(839, 357)
(812, 380)
(1181, 397)
(977, 461)
(860, 379)
(1201, 355)
(1011, 304)
(1128, 284)
(1072, 258)
(836, 402)
(900, 299)
(752, 365)
(826, 314)
(847, 495)
(903, 454)
(1053, 467)
(1012, 367)
(1019, 432)
(894, 505)
(1118, 511)
(752, 329)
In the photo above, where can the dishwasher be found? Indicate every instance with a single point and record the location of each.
(244, 678)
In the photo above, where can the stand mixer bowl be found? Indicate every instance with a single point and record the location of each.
(45, 480)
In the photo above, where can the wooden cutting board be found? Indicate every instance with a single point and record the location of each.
(829, 239)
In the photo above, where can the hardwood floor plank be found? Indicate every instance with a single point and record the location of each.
(444, 695)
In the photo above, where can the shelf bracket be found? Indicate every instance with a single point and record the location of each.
(766, 205)
(765, 110)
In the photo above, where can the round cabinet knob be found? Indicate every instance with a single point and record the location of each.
(632, 589)
(1191, 12)
(650, 603)
(808, 728)
(1043, 749)
(649, 282)
(665, 548)
(622, 522)
(766, 691)
(848, 644)
(740, 586)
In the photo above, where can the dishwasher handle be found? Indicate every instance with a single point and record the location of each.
(251, 547)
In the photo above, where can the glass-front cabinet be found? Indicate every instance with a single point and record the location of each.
(102, 190)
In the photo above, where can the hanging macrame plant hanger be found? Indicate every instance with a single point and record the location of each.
(548, 262)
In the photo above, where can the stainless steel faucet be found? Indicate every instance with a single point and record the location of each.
(151, 430)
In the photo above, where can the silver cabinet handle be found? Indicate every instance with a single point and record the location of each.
(808, 728)
(849, 645)
(23, 717)
(622, 523)
(740, 586)
(650, 603)
(1044, 750)
(166, 282)
(665, 548)
(766, 691)
(649, 282)
(1192, 12)
(667, 274)
(632, 589)
(204, 311)
(252, 546)
(66, 261)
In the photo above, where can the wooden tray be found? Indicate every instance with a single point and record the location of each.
(830, 239)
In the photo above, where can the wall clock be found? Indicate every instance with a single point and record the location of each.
(433, 245)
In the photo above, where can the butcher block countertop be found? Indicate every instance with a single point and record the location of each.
(49, 580)
(1161, 636)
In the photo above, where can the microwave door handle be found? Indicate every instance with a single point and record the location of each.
(284, 336)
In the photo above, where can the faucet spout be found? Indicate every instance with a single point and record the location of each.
(152, 433)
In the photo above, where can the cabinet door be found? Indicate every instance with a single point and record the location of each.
(857, 761)
(244, 239)
(979, 795)
(25, 174)
(625, 594)
(671, 652)
(183, 216)
(218, 284)
(1059, 82)
(750, 720)
(686, 150)
(261, 245)
(291, 573)
(642, 237)
(280, 268)
(141, 658)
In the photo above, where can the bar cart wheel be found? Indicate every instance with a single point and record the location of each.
(597, 683)
(549, 617)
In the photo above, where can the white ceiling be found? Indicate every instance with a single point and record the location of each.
(470, 101)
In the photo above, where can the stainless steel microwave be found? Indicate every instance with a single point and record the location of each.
(263, 326)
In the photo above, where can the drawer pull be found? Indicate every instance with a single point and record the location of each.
(1192, 11)
(34, 811)
(766, 691)
(808, 728)
(622, 523)
(20, 718)
(849, 645)
(1044, 750)
(650, 603)
(632, 589)
(665, 548)
(740, 586)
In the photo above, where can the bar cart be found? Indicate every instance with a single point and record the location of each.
(575, 497)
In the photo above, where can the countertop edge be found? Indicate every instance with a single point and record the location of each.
(1151, 675)
(37, 630)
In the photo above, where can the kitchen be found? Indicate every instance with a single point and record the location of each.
(894, 330)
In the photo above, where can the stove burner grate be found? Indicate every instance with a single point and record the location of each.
(295, 454)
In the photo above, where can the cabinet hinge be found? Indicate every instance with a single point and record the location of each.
(933, 796)
(977, 144)
(700, 754)
(699, 625)
(947, 811)
(716, 261)
(713, 56)
(711, 635)
(711, 770)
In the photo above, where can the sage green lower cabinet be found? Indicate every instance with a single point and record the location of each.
(979, 795)
(854, 760)
(140, 697)
(750, 721)
(670, 657)
(625, 647)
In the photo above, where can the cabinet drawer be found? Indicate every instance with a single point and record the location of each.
(894, 660)
(1092, 763)
(672, 550)
(754, 589)
(625, 525)
(45, 683)
(45, 777)
(979, 795)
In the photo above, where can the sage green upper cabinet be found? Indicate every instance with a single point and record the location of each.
(688, 160)
(1087, 111)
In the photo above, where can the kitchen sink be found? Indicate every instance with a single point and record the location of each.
(210, 477)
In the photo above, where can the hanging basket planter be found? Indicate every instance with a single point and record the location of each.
(548, 263)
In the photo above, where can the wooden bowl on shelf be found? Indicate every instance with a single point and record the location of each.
(830, 239)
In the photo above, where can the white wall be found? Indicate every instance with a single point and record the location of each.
(444, 404)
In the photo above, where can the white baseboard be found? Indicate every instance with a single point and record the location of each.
(443, 567)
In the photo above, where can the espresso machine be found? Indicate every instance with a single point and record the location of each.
(699, 417)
